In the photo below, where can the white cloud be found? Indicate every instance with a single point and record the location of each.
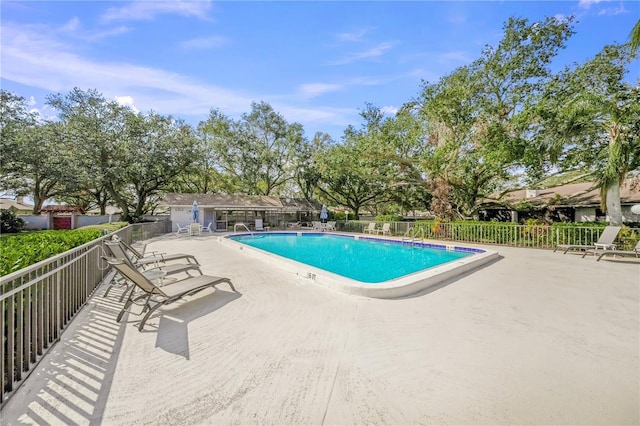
(456, 56)
(127, 101)
(99, 35)
(204, 43)
(586, 4)
(312, 90)
(72, 25)
(612, 11)
(320, 115)
(147, 10)
(353, 36)
(31, 101)
(391, 110)
(560, 17)
(374, 52)
(31, 57)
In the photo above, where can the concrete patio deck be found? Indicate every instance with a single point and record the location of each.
(534, 338)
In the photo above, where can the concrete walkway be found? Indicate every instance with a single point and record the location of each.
(535, 338)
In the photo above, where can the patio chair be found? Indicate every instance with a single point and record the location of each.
(182, 229)
(605, 241)
(158, 272)
(635, 252)
(194, 229)
(317, 225)
(155, 257)
(154, 296)
(330, 226)
(385, 230)
(370, 229)
(207, 228)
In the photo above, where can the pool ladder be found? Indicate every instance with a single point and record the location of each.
(413, 235)
(242, 225)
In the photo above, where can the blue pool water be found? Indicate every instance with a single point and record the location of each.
(369, 261)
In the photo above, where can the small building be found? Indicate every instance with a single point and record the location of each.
(62, 216)
(224, 211)
(576, 202)
(17, 206)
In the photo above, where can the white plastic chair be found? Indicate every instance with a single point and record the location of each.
(207, 228)
(386, 229)
(194, 229)
(371, 228)
(184, 229)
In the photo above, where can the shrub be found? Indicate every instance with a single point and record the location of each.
(10, 223)
(389, 218)
(20, 251)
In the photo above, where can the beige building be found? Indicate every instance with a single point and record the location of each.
(17, 206)
(576, 202)
(224, 211)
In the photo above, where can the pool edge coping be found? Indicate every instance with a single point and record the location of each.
(399, 287)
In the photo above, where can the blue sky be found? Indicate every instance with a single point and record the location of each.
(316, 63)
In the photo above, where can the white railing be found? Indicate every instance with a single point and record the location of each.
(508, 234)
(38, 302)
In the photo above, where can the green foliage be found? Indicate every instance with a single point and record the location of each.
(389, 218)
(589, 119)
(21, 251)
(121, 155)
(256, 154)
(109, 227)
(477, 116)
(10, 223)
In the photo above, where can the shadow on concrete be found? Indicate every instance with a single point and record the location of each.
(173, 327)
(72, 383)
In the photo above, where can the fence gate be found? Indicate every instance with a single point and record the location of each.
(62, 222)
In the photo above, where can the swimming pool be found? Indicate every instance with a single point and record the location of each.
(367, 260)
(368, 266)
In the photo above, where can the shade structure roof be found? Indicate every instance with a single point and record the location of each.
(583, 194)
(240, 202)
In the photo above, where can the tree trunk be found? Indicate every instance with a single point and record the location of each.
(614, 209)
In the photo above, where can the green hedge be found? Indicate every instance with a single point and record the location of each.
(22, 250)
(388, 218)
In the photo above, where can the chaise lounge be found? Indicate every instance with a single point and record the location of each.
(155, 257)
(153, 296)
(605, 241)
(155, 272)
(635, 252)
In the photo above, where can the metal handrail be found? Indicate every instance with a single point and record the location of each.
(38, 302)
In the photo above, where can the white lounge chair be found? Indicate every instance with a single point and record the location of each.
(206, 228)
(605, 241)
(182, 229)
(370, 229)
(330, 226)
